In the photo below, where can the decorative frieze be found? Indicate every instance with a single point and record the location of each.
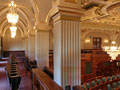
(99, 26)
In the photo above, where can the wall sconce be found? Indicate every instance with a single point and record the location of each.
(87, 40)
(106, 41)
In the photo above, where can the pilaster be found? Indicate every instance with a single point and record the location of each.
(26, 46)
(42, 45)
(31, 47)
(67, 50)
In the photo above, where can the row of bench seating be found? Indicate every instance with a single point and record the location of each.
(29, 64)
(13, 72)
(105, 83)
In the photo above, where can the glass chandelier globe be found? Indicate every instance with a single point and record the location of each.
(12, 17)
(13, 30)
(112, 50)
(13, 34)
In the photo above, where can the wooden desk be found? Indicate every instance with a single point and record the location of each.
(117, 88)
(45, 82)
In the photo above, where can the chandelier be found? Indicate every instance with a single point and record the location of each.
(13, 30)
(113, 50)
(12, 16)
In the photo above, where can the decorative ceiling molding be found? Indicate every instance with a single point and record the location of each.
(36, 9)
(85, 32)
(43, 27)
(99, 26)
(105, 12)
(65, 10)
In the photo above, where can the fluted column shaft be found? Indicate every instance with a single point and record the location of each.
(31, 47)
(26, 47)
(42, 48)
(67, 64)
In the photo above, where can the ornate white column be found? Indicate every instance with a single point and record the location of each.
(23, 44)
(31, 47)
(67, 50)
(67, 68)
(42, 45)
(26, 46)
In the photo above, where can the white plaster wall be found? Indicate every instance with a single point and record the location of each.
(12, 44)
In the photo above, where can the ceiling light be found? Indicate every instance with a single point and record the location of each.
(12, 16)
(113, 50)
(13, 31)
(13, 28)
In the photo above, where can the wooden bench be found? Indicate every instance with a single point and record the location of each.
(13, 73)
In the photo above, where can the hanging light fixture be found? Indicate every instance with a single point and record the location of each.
(13, 30)
(12, 16)
(13, 35)
(112, 50)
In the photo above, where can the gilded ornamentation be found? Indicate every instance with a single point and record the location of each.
(71, 1)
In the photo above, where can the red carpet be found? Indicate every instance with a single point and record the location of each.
(25, 83)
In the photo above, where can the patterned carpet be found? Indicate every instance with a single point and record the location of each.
(25, 83)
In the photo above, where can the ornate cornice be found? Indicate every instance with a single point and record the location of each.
(62, 12)
(99, 26)
(42, 27)
(25, 37)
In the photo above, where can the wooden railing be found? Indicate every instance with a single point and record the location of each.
(42, 81)
(48, 71)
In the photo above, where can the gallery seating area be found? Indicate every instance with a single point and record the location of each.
(97, 71)
(103, 83)
(13, 72)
